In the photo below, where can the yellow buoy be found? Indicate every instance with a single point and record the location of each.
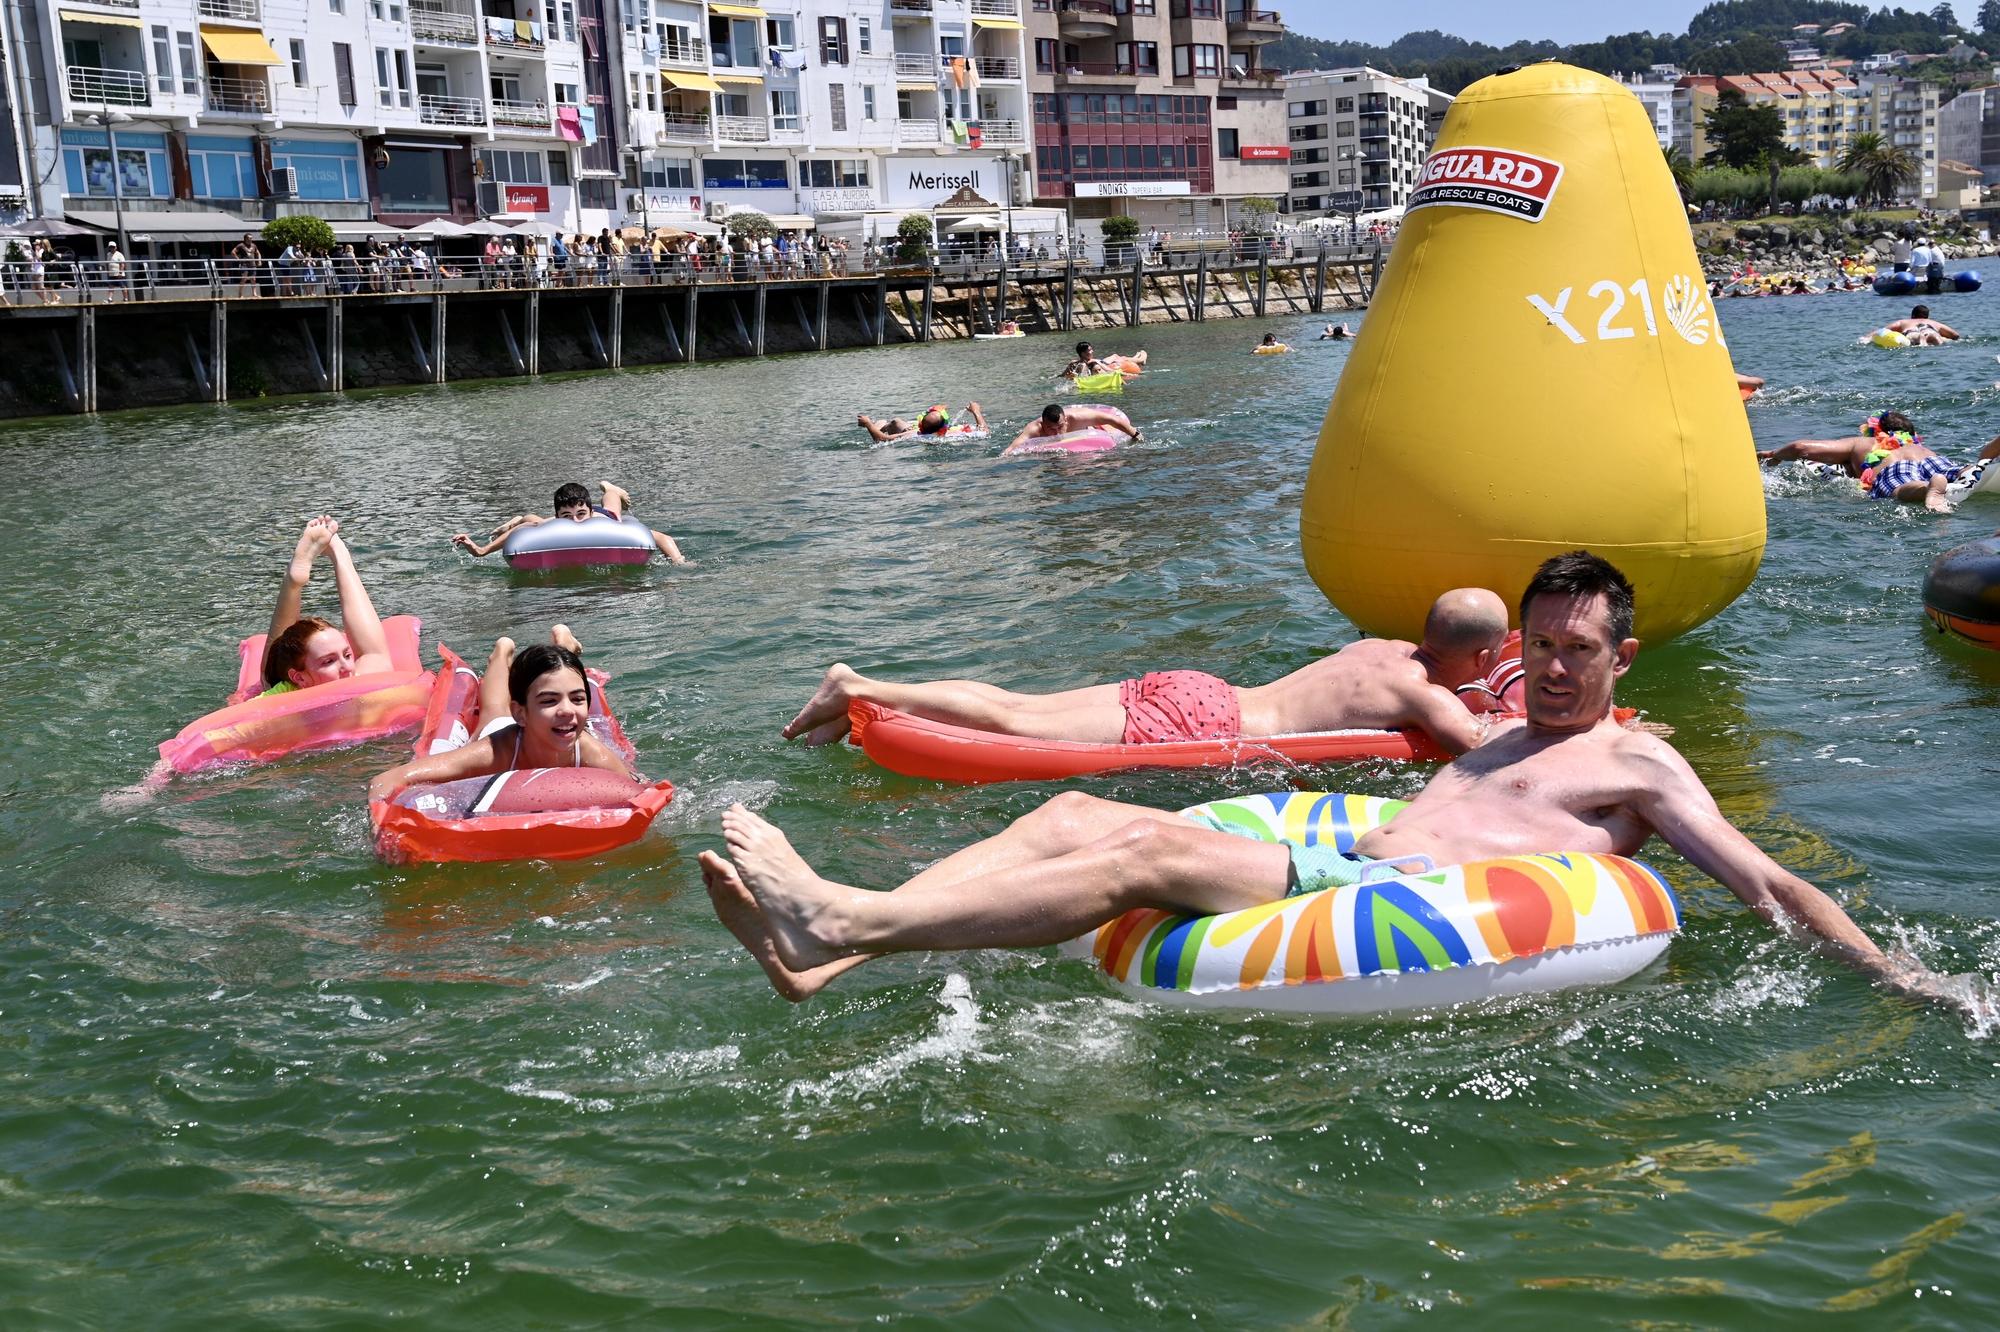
(1541, 371)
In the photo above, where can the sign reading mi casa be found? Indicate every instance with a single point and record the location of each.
(920, 182)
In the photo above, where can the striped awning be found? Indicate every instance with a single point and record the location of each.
(115, 20)
(740, 78)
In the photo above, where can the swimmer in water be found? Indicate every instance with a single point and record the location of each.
(1335, 332)
(936, 422)
(1922, 330)
(303, 650)
(1057, 419)
(1088, 362)
(1271, 344)
(572, 504)
(534, 709)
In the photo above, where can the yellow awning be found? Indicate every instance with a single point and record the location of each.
(115, 20)
(737, 11)
(739, 78)
(239, 48)
(691, 82)
(917, 87)
(1012, 25)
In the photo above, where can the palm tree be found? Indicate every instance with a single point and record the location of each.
(1884, 170)
(1682, 170)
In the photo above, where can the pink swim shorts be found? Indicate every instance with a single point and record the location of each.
(1179, 705)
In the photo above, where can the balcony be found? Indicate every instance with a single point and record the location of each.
(453, 22)
(919, 131)
(232, 11)
(1090, 71)
(107, 87)
(685, 52)
(438, 109)
(1375, 155)
(998, 67)
(683, 127)
(112, 4)
(916, 67)
(1236, 76)
(1375, 104)
(1005, 133)
(1374, 128)
(504, 36)
(742, 129)
(1256, 26)
(1085, 19)
(529, 115)
(237, 97)
(909, 9)
(997, 8)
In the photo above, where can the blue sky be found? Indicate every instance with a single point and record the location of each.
(1486, 21)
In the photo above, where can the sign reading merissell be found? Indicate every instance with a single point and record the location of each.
(920, 182)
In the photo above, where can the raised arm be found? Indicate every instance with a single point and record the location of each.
(298, 573)
(875, 432)
(1837, 451)
(616, 498)
(357, 613)
(1087, 416)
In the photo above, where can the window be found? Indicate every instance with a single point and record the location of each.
(864, 36)
(732, 41)
(336, 6)
(833, 41)
(1344, 129)
(1345, 176)
(1139, 57)
(513, 166)
(1225, 143)
(190, 63)
(1208, 9)
(1045, 53)
(558, 167)
(778, 32)
(951, 44)
(668, 173)
(1302, 133)
(388, 11)
(299, 62)
(142, 165)
(840, 174)
(597, 192)
(220, 168)
(1344, 105)
(784, 109)
(560, 16)
(868, 101)
(343, 72)
(566, 94)
(731, 173)
(836, 105)
(163, 58)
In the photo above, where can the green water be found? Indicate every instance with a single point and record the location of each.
(251, 1077)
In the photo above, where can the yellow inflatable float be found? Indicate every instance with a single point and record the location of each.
(1541, 370)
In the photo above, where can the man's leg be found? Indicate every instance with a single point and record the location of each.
(1930, 494)
(1090, 714)
(1149, 862)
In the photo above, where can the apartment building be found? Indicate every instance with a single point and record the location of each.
(1161, 109)
(1655, 90)
(579, 113)
(1823, 111)
(1358, 137)
(1969, 131)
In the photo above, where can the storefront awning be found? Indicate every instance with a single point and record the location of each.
(737, 11)
(239, 48)
(691, 82)
(115, 20)
(180, 225)
(1011, 25)
(739, 78)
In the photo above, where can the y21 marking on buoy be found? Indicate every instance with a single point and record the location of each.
(1686, 311)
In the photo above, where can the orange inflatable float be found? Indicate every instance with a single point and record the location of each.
(258, 728)
(520, 814)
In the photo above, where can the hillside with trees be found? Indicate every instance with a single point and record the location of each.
(1728, 37)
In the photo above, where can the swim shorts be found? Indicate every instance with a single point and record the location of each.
(1490, 692)
(1312, 868)
(1906, 470)
(1179, 705)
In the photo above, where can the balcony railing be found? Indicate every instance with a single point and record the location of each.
(534, 114)
(1375, 154)
(1003, 132)
(452, 21)
(919, 131)
(240, 11)
(911, 7)
(742, 129)
(107, 87)
(114, 4)
(437, 109)
(1099, 69)
(997, 8)
(1088, 11)
(1255, 16)
(997, 67)
(913, 66)
(692, 52)
(241, 97)
(683, 127)
(501, 33)
(1254, 77)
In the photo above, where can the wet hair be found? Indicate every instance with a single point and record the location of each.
(1052, 414)
(569, 494)
(287, 652)
(1579, 576)
(1082, 350)
(1892, 423)
(1921, 312)
(532, 663)
(1270, 338)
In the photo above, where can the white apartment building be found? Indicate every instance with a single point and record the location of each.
(1655, 90)
(1358, 132)
(577, 113)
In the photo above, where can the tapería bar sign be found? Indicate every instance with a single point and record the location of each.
(1252, 152)
(1132, 189)
(1498, 180)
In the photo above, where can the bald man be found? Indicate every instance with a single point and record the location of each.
(1375, 684)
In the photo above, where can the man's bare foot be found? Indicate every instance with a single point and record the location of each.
(789, 894)
(736, 908)
(828, 703)
(563, 638)
(1937, 501)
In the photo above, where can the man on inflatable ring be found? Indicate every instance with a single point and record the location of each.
(1567, 777)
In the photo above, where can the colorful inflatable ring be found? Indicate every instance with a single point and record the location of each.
(561, 543)
(1111, 381)
(939, 751)
(994, 337)
(254, 729)
(1962, 592)
(523, 814)
(1887, 337)
(1279, 350)
(1124, 365)
(1091, 439)
(1493, 928)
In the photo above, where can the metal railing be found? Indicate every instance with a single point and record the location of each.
(456, 21)
(915, 65)
(683, 127)
(107, 87)
(243, 11)
(509, 38)
(1098, 69)
(919, 131)
(535, 114)
(1093, 10)
(693, 51)
(997, 8)
(243, 97)
(1255, 16)
(997, 67)
(742, 129)
(1003, 131)
(438, 109)
(909, 7)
